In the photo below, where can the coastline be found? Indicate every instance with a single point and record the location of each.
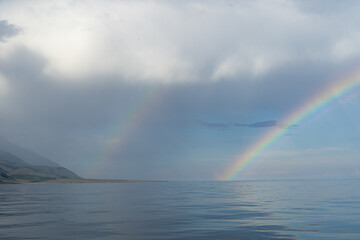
(63, 181)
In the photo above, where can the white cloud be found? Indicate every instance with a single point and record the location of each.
(346, 47)
(172, 41)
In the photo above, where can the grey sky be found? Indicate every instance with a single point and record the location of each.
(75, 74)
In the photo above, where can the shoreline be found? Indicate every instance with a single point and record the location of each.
(63, 181)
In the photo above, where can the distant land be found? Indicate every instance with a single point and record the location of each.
(21, 165)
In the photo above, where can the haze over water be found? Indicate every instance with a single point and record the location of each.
(182, 210)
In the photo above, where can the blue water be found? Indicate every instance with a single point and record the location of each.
(182, 210)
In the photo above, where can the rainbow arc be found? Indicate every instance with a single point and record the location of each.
(319, 101)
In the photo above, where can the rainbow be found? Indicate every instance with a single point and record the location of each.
(122, 131)
(330, 94)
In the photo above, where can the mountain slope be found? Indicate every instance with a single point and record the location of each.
(14, 168)
(26, 155)
(5, 178)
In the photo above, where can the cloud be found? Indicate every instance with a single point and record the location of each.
(271, 123)
(167, 41)
(83, 75)
(262, 124)
(215, 125)
(7, 30)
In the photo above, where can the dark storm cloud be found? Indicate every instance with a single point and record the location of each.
(7, 30)
(68, 119)
(71, 123)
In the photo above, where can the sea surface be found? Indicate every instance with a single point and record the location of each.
(182, 210)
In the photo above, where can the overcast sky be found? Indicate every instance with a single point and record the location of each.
(177, 89)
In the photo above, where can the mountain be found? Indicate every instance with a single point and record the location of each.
(5, 178)
(26, 155)
(21, 164)
(14, 168)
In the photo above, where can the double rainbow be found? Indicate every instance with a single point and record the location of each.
(327, 96)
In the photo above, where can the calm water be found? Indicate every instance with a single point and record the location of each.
(182, 210)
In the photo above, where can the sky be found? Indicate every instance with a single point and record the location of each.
(178, 90)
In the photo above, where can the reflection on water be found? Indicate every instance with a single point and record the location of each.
(182, 210)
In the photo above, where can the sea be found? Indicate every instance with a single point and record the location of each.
(306, 209)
